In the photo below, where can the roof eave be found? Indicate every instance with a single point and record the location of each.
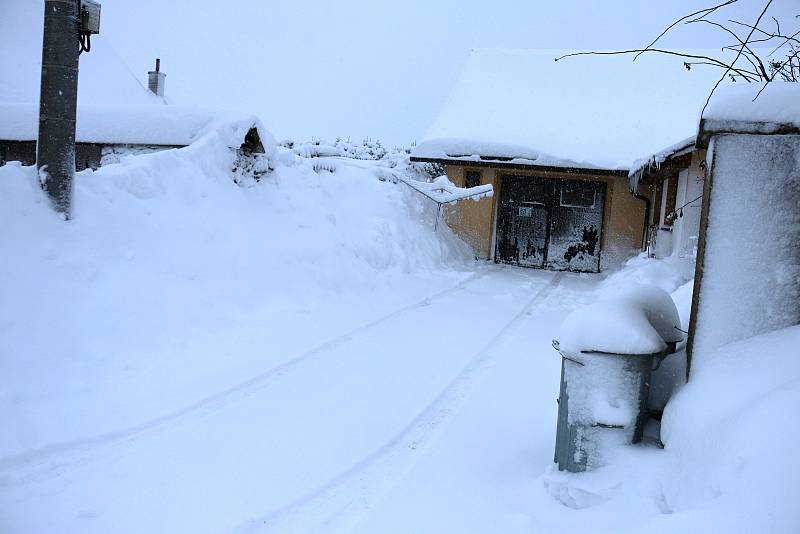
(520, 166)
(710, 127)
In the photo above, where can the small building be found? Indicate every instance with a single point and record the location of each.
(104, 134)
(556, 140)
(671, 181)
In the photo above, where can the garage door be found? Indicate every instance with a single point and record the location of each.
(550, 223)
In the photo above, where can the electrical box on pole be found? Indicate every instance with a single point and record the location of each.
(90, 17)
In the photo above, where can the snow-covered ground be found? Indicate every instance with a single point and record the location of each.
(306, 354)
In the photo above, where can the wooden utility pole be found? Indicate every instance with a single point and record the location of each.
(55, 151)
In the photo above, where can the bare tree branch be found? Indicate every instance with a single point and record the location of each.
(759, 66)
(714, 61)
(704, 12)
(749, 36)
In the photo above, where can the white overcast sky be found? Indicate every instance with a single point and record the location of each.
(363, 67)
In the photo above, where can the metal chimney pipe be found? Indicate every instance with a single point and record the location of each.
(156, 80)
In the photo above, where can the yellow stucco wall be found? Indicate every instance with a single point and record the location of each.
(473, 220)
(623, 217)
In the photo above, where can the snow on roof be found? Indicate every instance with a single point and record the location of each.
(103, 77)
(135, 125)
(113, 106)
(600, 112)
(735, 107)
(642, 166)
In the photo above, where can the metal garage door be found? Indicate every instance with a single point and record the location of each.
(550, 223)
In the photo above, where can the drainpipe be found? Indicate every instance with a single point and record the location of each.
(646, 228)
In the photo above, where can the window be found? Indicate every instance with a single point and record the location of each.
(472, 178)
(576, 194)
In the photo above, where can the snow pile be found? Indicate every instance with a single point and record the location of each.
(522, 104)
(171, 280)
(777, 103)
(665, 274)
(638, 320)
(669, 275)
(312, 149)
(729, 463)
(733, 460)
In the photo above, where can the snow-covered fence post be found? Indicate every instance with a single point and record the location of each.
(747, 279)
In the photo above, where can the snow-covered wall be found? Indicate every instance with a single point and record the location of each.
(751, 267)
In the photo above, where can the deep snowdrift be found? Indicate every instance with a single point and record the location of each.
(730, 441)
(729, 461)
(172, 284)
(171, 280)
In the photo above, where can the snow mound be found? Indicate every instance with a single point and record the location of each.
(171, 279)
(639, 320)
(734, 459)
(663, 273)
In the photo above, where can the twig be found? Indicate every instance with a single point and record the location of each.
(714, 61)
(760, 67)
(706, 11)
(749, 35)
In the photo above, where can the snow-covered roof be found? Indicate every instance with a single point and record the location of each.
(595, 112)
(103, 79)
(113, 106)
(135, 125)
(644, 165)
(752, 108)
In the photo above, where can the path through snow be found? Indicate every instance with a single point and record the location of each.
(313, 444)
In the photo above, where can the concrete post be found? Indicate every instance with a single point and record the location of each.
(55, 154)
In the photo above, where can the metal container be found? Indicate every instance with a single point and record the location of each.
(602, 402)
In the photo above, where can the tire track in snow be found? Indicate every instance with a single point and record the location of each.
(220, 399)
(339, 504)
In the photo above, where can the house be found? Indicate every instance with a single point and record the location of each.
(104, 134)
(556, 140)
(671, 181)
(116, 114)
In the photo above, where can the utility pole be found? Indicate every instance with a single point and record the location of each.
(55, 151)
